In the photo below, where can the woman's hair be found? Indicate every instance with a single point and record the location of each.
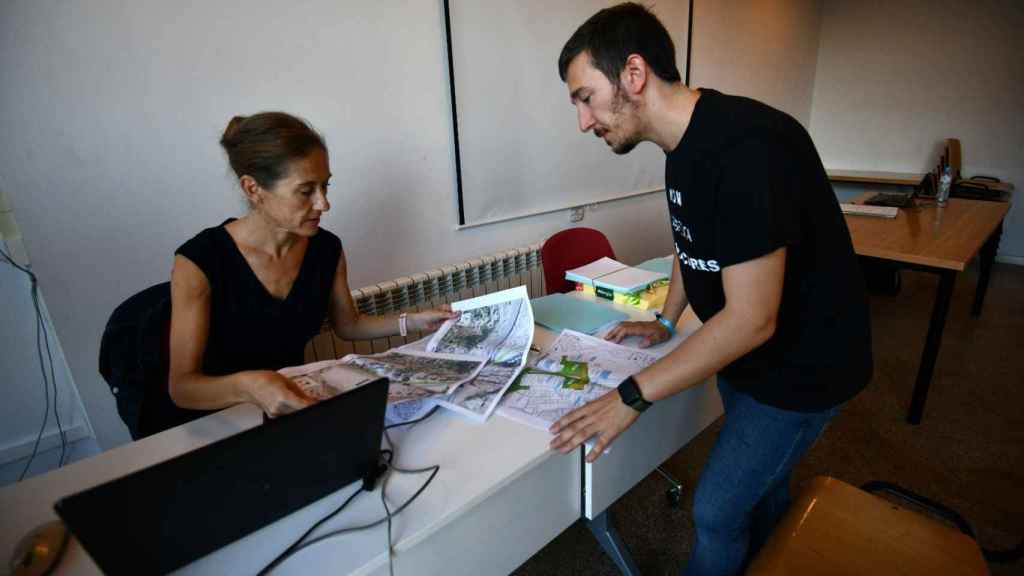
(263, 144)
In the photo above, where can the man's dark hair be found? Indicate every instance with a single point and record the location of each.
(613, 34)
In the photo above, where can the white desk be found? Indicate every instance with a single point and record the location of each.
(659, 433)
(471, 520)
(499, 497)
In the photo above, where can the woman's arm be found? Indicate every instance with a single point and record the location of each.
(349, 324)
(190, 327)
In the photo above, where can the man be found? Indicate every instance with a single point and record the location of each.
(764, 259)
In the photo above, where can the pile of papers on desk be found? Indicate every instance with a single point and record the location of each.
(643, 287)
(539, 397)
(465, 366)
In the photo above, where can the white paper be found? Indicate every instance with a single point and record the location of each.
(326, 379)
(629, 279)
(587, 273)
(417, 374)
(607, 363)
(498, 326)
(539, 400)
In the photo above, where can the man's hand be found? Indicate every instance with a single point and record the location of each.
(652, 332)
(604, 418)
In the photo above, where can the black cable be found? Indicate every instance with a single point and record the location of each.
(387, 512)
(433, 469)
(46, 406)
(53, 382)
(41, 329)
(295, 545)
(389, 515)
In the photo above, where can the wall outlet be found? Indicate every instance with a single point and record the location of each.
(576, 214)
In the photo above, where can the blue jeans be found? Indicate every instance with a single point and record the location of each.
(744, 488)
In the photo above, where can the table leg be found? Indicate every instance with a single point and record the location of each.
(602, 528)
(987, 257)
(931, 345)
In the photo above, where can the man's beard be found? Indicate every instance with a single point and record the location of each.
(619, 104)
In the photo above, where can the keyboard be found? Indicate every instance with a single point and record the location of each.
(865, 210)
(897, 199)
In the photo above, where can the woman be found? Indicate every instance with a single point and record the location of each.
(247, 295)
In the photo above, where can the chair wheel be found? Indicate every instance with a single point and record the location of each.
(674, 495)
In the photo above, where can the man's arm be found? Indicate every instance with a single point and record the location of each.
(675, 300)
(753, 292)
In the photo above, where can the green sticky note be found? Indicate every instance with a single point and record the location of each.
(575, 373)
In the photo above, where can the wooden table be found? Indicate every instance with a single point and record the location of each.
(940, 240)
(874, 177)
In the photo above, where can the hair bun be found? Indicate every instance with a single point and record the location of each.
(232, 128)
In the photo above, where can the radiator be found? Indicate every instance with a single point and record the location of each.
(521, 266)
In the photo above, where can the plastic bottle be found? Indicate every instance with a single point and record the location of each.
(945, 183)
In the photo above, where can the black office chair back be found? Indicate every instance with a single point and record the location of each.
(134, 360)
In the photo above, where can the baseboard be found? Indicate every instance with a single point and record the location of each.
(51, 439)
(1015, 260)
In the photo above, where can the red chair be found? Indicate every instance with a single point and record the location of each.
(570, 249)
(573, 248)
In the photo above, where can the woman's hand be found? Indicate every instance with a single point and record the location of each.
(430, 320)
(652, 332)
(274, 393)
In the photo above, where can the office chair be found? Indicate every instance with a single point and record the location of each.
(570, 249)
(835, 528)
(135, 358)
(577, 247)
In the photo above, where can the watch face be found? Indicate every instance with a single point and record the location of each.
(630, 394)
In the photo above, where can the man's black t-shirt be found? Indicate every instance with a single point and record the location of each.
(744, 181)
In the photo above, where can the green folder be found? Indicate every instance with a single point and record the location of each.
(561, 311)
(662, 265)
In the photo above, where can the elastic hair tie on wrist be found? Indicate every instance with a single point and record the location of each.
(666, 323)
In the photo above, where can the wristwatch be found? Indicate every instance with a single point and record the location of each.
(631, 396)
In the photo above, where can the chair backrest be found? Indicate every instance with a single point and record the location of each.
(134, 360)
(835, 528)
(570, 249)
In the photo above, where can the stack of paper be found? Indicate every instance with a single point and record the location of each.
(596, 269)
(628, 280)
(650, 299)
(610, 278)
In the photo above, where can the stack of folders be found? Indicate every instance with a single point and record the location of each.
(613, 280)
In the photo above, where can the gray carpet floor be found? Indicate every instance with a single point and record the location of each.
(967, 452)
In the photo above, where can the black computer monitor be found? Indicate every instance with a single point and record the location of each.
(160, 518)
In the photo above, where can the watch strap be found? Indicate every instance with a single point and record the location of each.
(630, 394)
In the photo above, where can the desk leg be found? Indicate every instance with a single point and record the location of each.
(987, 257)
(931, 345)
(602, 528)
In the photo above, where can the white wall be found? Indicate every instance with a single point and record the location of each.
(894, 79)
(30, 398)
(111, 114)
(764, 49)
